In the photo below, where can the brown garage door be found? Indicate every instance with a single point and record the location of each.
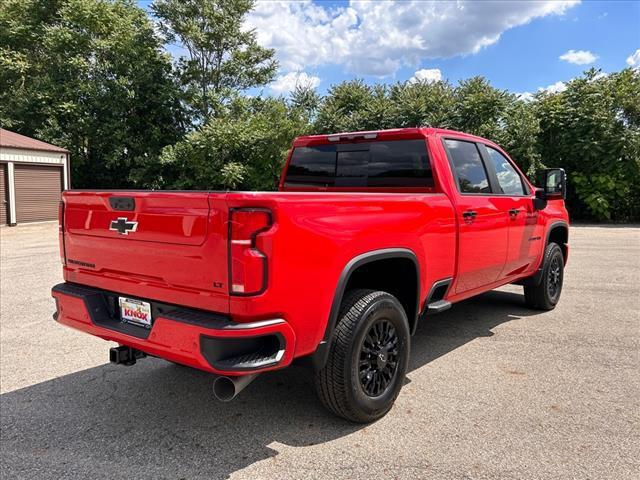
(38, 190)
(4, 203)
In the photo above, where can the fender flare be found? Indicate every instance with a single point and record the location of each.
(320, 356)
(536, 278)
(553, 226)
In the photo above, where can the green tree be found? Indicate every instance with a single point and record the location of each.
(244, 147)
(518, 135)
(222, 57)
(89, 75)
(345, 108)
(424, 103)
(479, 108)
(305, 101)
(591, 130)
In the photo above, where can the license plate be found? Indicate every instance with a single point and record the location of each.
(135, 311)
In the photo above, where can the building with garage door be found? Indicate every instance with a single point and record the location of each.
(32, 175)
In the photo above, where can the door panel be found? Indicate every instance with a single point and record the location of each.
(524, 236)
(514, 199)
(482, 242)
(483, 227)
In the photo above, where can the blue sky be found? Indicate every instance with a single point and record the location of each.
(516, 45)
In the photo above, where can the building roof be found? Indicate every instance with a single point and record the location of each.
(10, 139)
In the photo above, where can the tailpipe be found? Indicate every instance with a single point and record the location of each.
(225, 389)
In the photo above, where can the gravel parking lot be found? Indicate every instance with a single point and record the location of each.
(494, 391)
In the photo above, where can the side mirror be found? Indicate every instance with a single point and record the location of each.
(555, 184)
(554, 187)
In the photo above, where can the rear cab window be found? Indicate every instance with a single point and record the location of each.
(380, 164)
(312, 166)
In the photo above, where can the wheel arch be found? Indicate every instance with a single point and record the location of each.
(558, 232)
(362, 271)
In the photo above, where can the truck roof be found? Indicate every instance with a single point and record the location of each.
(388, 134)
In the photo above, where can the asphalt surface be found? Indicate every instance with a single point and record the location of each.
(494, 390)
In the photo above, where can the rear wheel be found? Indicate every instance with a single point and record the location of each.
(368, 357)
(546, 294)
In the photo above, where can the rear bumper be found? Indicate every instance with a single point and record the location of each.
(199, 339)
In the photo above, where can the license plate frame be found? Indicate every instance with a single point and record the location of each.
(135, 312)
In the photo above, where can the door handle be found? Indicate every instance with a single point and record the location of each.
(469, 215)
(514, 212)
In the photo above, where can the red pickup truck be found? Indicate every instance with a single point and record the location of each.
(369, 233)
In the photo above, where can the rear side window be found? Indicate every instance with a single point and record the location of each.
(509, 180)
(399, 163)
(312, 166)
(467, 162)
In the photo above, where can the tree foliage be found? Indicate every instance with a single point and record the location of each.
(222, 57)
(243, 148)
(91, 76)
(591, 129)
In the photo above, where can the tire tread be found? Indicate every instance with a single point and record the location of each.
(330, 381)
(535, 296)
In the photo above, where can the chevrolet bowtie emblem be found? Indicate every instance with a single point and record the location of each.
(123, 226)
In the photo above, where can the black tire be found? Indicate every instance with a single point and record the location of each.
(360, 380)
(546, 294)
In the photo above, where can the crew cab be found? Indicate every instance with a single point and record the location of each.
(368, 235)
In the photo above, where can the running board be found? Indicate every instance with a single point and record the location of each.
(438, 307)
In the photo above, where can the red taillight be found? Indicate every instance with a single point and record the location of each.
(247, 264)
(63, 255)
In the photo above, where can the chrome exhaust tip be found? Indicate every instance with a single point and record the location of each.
(226, 389)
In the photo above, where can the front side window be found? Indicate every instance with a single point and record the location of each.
(509, 180)
(467, 162)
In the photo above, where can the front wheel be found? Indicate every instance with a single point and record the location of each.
(368, 357)
(546, 294)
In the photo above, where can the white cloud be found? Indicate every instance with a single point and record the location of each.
(634, 59)
(377, 38)
(426, 75)
(287, 83)
(525, 96)
(557, 87)
(578, 57)
(554, 88)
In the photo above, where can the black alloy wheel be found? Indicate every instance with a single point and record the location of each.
(554, 275)
(378, 358)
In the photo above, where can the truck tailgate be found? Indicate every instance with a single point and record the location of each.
(167, 246)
